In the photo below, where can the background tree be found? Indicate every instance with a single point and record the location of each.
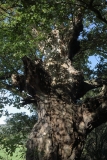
(96, 144)
(45, 47)
(15, 132)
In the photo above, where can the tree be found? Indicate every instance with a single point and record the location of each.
(14, 133)
(96, 144)
(54, 41)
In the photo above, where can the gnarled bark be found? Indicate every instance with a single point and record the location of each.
(56, 135)
(62, 128)
(63, 124)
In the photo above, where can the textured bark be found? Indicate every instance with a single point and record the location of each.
(59, 133)
(61, 129)
(63, 121)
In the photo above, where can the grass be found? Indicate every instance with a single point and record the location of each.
(18, 155)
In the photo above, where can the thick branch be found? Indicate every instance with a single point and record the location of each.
(37, 82)
(11, 89)
(95, 112)
(98, 14)
(5, 76)
(74, 44)
(91, 84)
(96, 11)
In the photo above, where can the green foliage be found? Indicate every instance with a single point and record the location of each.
(18, 155)
(96, 144)
(19, 17)
(16, 130)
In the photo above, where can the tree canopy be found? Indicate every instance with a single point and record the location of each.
(25, 25)
(37, 38)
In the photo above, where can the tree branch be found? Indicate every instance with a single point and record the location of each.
(98, 14)
(92, 8)
(11, 89)
(5, 76)
(91, 2)
(91, 84)
(96, 111)
(74, 44)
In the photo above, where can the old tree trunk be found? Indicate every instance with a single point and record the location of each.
(64, 121)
